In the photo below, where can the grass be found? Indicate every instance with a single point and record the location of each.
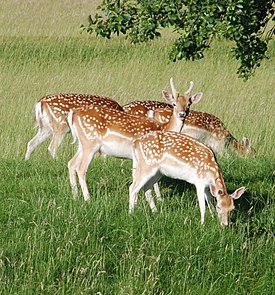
(53, 244)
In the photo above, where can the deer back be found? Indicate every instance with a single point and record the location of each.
(141, 108)
(186, 150)
(196, 119)
(58, 106)
(98, 121)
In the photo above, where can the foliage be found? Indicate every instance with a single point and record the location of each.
(197, 23)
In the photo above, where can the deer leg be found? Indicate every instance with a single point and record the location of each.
(72, 165)
(148, 190)
(133, 191)
(200, 195)
(56, 141)
(150, 200)
(209, 204)
(157, 192)
(85, 159)
(142, 178)
(44, 132)
(134, 188)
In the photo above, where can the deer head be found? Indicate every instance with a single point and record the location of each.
(225, 202)
(181, 103)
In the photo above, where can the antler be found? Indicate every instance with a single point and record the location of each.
(190, 87)
(173, 88)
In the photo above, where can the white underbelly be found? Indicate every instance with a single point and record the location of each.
(171, 167)
(117, 146)
(206, 137)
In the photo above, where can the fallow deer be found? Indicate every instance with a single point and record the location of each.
(210, 130)
(205, 127)
(112, 132)
(181, 157)
(51, 117)
(141, 108)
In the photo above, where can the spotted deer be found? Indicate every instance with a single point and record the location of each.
(51, 117)
(205, 127)
(210, 130)
(182, 157)
(141, 108)
(112, 132)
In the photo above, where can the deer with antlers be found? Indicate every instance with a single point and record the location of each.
(51, 117)
(205, 127)
(182, 157)
(112, 132)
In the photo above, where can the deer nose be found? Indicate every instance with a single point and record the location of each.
(182, 115)
(224, 223)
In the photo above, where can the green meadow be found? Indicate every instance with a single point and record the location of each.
(51, 243)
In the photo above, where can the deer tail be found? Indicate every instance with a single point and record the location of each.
(38, 114)
(71, 125)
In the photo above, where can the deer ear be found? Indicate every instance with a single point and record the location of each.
(167, 96)
(238, 193)
(214, 191)
(246, 142)
(196, 97)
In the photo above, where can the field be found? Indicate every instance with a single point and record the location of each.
(53, 244)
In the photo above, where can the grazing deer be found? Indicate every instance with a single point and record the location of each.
(205, 127)
(51, 117)
(112, 132)
(182, 157)
(210, 130)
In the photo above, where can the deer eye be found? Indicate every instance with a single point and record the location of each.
(219, 192)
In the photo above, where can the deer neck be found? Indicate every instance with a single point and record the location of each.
(238, 147)
(175, 124)
(219, 182)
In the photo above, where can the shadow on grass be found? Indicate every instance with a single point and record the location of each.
(260, 188)
(246, 203)
(259, 183)
(181, 187)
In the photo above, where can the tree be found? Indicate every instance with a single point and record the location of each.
(197, 22)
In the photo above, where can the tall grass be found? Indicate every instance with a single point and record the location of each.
(32, 67)
(53, 244)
